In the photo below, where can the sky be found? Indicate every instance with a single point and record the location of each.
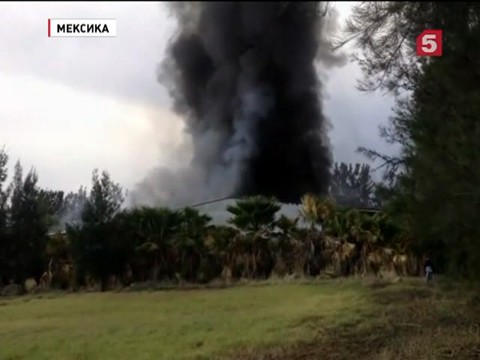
(69, 105)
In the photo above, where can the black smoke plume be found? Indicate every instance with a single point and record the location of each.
(244, 77)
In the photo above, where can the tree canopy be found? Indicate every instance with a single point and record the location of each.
(435, 175)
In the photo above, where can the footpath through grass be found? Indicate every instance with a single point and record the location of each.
(329, 319)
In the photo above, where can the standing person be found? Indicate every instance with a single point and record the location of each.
(428, 267)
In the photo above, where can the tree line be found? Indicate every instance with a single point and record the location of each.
(87, 237)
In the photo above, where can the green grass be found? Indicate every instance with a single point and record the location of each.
(330, 319)
(174, 324)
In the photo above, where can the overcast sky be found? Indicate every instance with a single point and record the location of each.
(69, 105)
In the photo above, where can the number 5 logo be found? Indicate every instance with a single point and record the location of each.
(429, 43)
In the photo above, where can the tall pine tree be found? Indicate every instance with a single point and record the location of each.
(436, 121)
(94, 242)
(28, 226)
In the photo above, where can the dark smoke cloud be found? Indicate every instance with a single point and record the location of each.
(244, 78)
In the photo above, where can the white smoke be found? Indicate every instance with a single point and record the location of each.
(191, 183)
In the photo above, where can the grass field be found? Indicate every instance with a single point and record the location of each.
(330, 319)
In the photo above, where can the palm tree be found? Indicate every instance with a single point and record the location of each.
(337, 225)
(309, 210)
(359, 236)
(365, 232)
(287, 226)
(222, 245)
(254, 213)
(156, 228)
(316, 211)
(283, 245)
(255, 217)
(190, 242)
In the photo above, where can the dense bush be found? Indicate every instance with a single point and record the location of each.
(159, 244)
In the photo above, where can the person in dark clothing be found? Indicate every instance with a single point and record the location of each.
(428, 267)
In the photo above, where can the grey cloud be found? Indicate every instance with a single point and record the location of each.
(126, 67)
